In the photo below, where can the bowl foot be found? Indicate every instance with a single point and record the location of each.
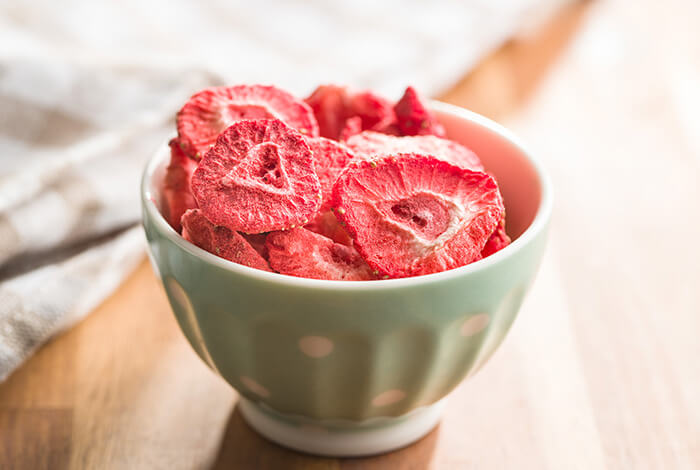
(318, 437)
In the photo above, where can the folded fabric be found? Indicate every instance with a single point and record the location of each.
(43, 301)
(73, 142)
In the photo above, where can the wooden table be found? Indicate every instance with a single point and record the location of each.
(599, 371)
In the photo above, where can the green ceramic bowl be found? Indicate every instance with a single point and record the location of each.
(350, 368)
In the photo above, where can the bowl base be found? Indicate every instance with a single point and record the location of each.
(349, 440)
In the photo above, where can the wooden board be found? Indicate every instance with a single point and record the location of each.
(600, 369)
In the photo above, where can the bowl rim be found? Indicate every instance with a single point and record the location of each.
(538, 224)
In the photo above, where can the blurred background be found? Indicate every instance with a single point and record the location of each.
(294, 43)
(597, 371)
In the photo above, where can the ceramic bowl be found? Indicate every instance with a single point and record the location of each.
(354, 368)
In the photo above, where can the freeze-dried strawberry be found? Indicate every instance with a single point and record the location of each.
(498, 240)
(258, 177)
(303, 253)
(212, 110)
(330, 158)
(177, 196)
(257, 241)
(327, 225)
(330, 106)
(335, 105)
(220, 241)
(414, 117)
(413, 214)
(353, 126)
(370, 144)
(375, 111)
(390, 129)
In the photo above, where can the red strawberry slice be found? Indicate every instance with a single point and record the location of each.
(414, 117)
(303, 253)
(334, 105)
(258, 177)
(413, 214)
(257, 241)
(498, 240)
(352, 126)
(330, 105)
(220, 241)
(390, 129)
(375, 111)
(330, 158)
(177, 195)
(370, 144)
(326, 224)
(212, 110)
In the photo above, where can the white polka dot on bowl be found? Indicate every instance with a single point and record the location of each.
(474, 324)
(316, 346)
(389, 397)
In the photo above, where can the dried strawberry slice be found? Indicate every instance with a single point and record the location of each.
(326, 224)
(375, 111)
(220, 241)
(258, 177)
(370, 144)
(257, 241)
(330, 104)
(390, 129)
(352, 126)
(212, 110)
(330, 158)
(413, 116)
(303, 253)
(498, 240)
(335, 105)
(413, 214)
(177, 195)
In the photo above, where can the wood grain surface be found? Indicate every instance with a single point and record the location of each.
(600, 370)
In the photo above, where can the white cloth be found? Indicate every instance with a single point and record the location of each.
(89, 89)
